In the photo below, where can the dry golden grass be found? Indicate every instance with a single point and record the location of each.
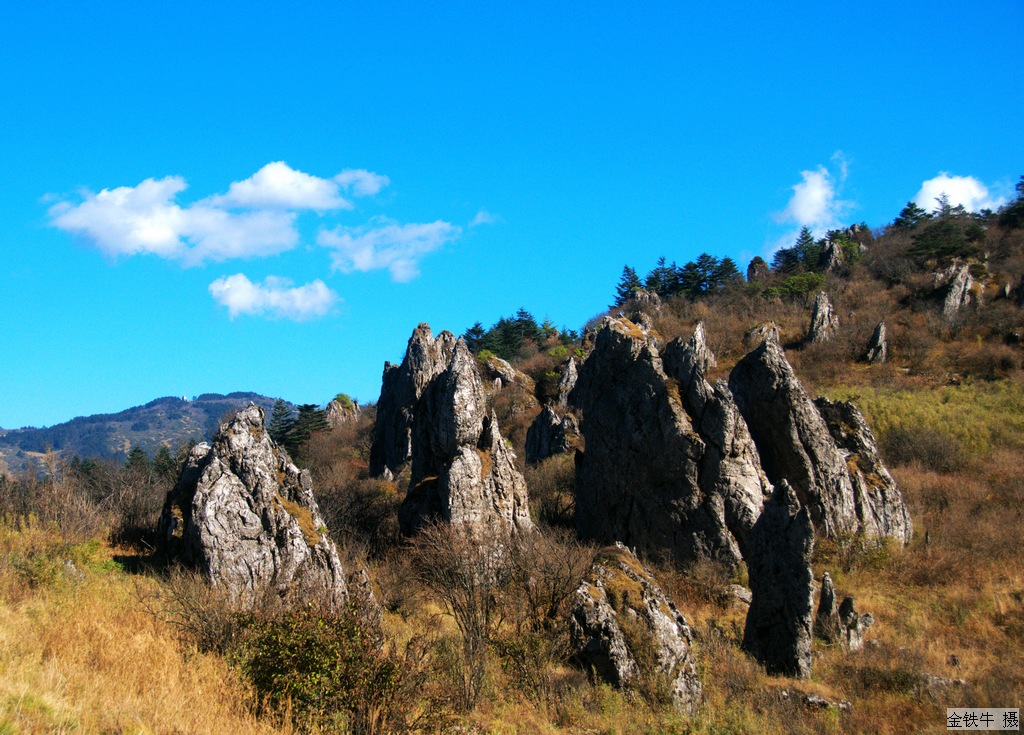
(79, 653)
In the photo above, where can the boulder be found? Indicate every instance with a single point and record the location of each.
(779, 622)
(502, 374)
(758, 270)
(402, 387)
(246, 516)
(878, 347)
(824, 321)
(463, 471)
(959, 293)
(653, 474)
(878, 502)
(550, 434)
(826, 620)
(619, 615)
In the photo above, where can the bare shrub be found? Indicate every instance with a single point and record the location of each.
(552, 484)
(932, 449)
(467, 571)
(202, 614)
(546, 568)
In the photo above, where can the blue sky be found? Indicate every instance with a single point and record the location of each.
(255, 196)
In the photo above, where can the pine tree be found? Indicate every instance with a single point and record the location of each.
(910, 217)
(281, 422)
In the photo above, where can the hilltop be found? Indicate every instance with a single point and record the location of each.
(163, 422)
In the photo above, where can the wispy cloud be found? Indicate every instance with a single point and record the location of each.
(360, 182)
(386, 244)
(961, 190)
(483, 217)
(255, 218)
(275, 297)
(815, 202)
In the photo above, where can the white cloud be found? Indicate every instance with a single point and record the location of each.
(278, 186)
(816, 202)
(361, 182)
(386, 244)
(274, 297)
(965, 190)
(146, 219)
(483, 217)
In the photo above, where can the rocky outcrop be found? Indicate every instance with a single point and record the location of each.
(853, 625)
(550, 434)
(758, 270)
(792, 438)
(502, 374)
(841, 625)
(342, 410)
(668, 465)
(643, 302)
(619, 609)
(831, 256)
(402, 387)
(462, 469)
(245, 515)
(826, 620)
(959, 293)
(824, 321)
(701, 354)
(878, 346)
(779, 622)
(877, 500)
(566, 382)
(825, 450)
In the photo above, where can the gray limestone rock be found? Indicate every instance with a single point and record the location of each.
(618, 607)
(959, 294)
(401, 390)
(853, 625)
(778, 628)
(245, 515)
(878, 502)
(824, 321)
(463, 471)
(668, 465)
(826, 621)
(550, 434)
(831, 256)
(792, 438)
(566, 382)
(703, 357)
(878, 347)
(503, 375)
(339, 413)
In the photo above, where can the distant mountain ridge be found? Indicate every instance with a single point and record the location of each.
(167, 421)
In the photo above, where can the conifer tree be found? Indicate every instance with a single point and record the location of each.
(628, 285)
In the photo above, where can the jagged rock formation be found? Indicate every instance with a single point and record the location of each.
(878, 347)
(826, 620)
(878, 502)
(701, 354)
(853, 625)
(778, 628)
(462, 469)
(830, 460)
(566, 382)
(339, 413)
(549, 435)
(504, 375)
(643, 302)
(668, 463)
(617, 608)
(401, 389)
(831, 256)
(824, 321)
(959, 294)
(246, 516)
(758, 270)
(842, 624)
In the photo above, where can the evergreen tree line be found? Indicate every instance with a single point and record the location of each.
(291, 428)
(701, 277)
(511, 334)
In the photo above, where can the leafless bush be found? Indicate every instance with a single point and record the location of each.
(552, 484)
(203, 614)
(546, 568)
(467, 570)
